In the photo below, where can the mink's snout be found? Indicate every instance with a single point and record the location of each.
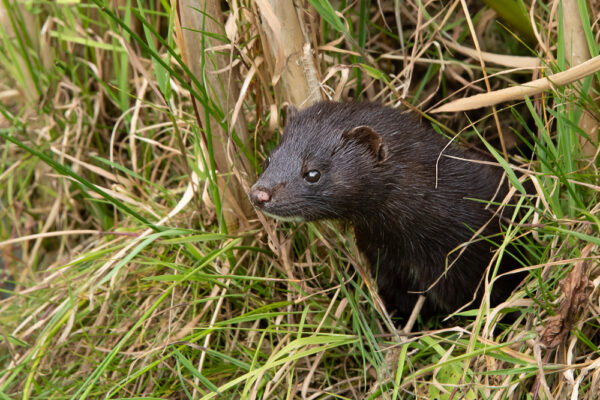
(259, 197)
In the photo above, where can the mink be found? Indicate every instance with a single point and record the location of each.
(411, 197)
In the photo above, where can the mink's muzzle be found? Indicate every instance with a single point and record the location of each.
(259, 196)
(265, 201)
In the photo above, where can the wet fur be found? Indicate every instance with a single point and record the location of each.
(404, 225)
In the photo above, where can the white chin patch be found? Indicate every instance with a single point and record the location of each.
(285, 219)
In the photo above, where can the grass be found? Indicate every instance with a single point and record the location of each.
(125, 274)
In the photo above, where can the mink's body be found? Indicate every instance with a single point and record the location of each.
(376, 167)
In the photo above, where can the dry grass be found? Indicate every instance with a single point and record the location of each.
(130, 267)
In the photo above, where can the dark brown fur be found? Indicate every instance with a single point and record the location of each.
(377, 169)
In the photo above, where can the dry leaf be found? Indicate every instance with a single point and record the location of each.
(577, 288)
(527, 89)
(498, 59)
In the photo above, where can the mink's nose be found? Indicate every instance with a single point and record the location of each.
(259, 197)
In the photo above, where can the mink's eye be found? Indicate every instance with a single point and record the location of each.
(312, 176)
(266, 163)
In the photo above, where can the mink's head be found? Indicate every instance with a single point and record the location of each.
(328, 165)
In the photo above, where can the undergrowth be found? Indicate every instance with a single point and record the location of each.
(121, 278)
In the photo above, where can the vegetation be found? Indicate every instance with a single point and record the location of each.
(132, 266)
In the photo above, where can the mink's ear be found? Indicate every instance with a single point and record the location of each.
(365, 136)
(291, 112)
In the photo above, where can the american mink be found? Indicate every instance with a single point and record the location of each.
(376, 167)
